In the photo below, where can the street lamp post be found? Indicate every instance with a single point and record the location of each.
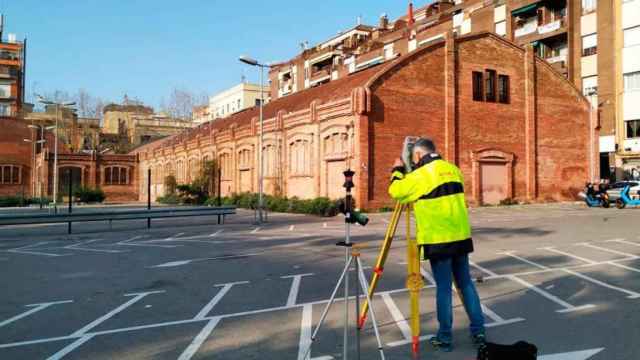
(249, 61)
(55, 147)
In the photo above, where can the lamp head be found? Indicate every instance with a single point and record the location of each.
(248, 60)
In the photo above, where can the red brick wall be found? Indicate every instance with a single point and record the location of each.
(563, 142)
(406, 101)
(491, 125)
(14, 151)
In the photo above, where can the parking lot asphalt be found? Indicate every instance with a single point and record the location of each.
(562, 276)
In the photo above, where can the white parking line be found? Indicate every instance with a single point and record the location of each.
(632, 294)
(305, 332)
(36, 308)
(427, 276)
(216, 299)
(295, 287)
(255, 230)
(77, 247)
(567, 307)
(630, 256)
(486, 271)
(292, 227)
(623, 266)
(398, 317)
(199, 339)
(69, 348)
(216, 233)
(552, 249)
(110, 314)
(511, 254)
(23, 250)
(129, 242)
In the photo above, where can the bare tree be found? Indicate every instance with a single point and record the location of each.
(88, 105)
(180, 103)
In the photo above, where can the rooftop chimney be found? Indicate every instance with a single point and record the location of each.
(410, 20)
(384, 22)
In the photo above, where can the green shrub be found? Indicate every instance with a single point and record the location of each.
(385, 209)
(191, 194)
(88, 195)
(11, 201)
(170, 199)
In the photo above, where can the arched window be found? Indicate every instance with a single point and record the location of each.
(300, 158)
(10, 174)
(116, 175)
(244, 159)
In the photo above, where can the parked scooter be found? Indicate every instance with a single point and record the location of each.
(626, 200)
(595, 198)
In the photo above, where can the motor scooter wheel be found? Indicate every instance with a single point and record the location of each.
(620, 204)
(605, 203)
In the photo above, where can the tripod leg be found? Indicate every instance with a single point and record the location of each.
(363, 283)
(382, 258)
(326, 309)
(414, 284)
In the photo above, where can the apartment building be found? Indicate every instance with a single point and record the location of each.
(565, 33)
(240, 97)
(12, 73)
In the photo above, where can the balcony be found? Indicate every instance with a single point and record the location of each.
(321, 75)
(530, 33)
(286, 87)
(526, 29)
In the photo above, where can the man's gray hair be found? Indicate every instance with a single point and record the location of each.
(426, 145)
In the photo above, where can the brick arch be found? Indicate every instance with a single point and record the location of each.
(490, 155)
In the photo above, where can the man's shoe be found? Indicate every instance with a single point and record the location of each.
(440, 345)
(479, 340)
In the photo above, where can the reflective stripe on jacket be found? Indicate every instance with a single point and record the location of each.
(442, 221)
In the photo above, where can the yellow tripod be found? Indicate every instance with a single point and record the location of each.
(414, 278)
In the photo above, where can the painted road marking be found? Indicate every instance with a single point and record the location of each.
(23, 250)
(107, 316)
(552, 249)
(567, 307)
(199, 339)
(630, 256)
(36, 308)
(189, 261)
(295, 287)
(292, 227)
(623, 266)
(129, 242)
(255, 230)
(216, 299)
(216, 233)
(305, 332)
(486, 271)
(622, 241)
(574, 355)
(632, 294)
(511, 254)
(398, 317)
(77, 247)
(69, 348)
(427, 276)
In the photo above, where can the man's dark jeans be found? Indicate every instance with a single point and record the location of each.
(444, 271)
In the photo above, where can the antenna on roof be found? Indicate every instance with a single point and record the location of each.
(359, 20)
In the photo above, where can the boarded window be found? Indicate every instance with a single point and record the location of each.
(478, 88)
(490, 85)
(503, 89)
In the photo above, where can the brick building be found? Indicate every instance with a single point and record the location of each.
(492, 107)
(594, 43)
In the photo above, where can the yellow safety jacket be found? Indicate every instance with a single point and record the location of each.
(442, 221)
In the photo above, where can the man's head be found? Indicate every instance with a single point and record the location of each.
(422, 147)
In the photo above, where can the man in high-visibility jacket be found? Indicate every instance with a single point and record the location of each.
(436, 188)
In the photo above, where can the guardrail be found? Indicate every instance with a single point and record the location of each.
(70, 218)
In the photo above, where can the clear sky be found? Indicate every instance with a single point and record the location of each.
(145, 48)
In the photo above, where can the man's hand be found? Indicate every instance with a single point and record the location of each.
(398, 163)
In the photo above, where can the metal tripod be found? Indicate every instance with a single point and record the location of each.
(354, 258)
(415, 281)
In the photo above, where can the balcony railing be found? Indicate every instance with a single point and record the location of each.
(555, 59)
(320, 74)
(527, 29)
(550, 27)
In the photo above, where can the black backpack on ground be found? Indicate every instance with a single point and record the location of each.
(519, 351)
